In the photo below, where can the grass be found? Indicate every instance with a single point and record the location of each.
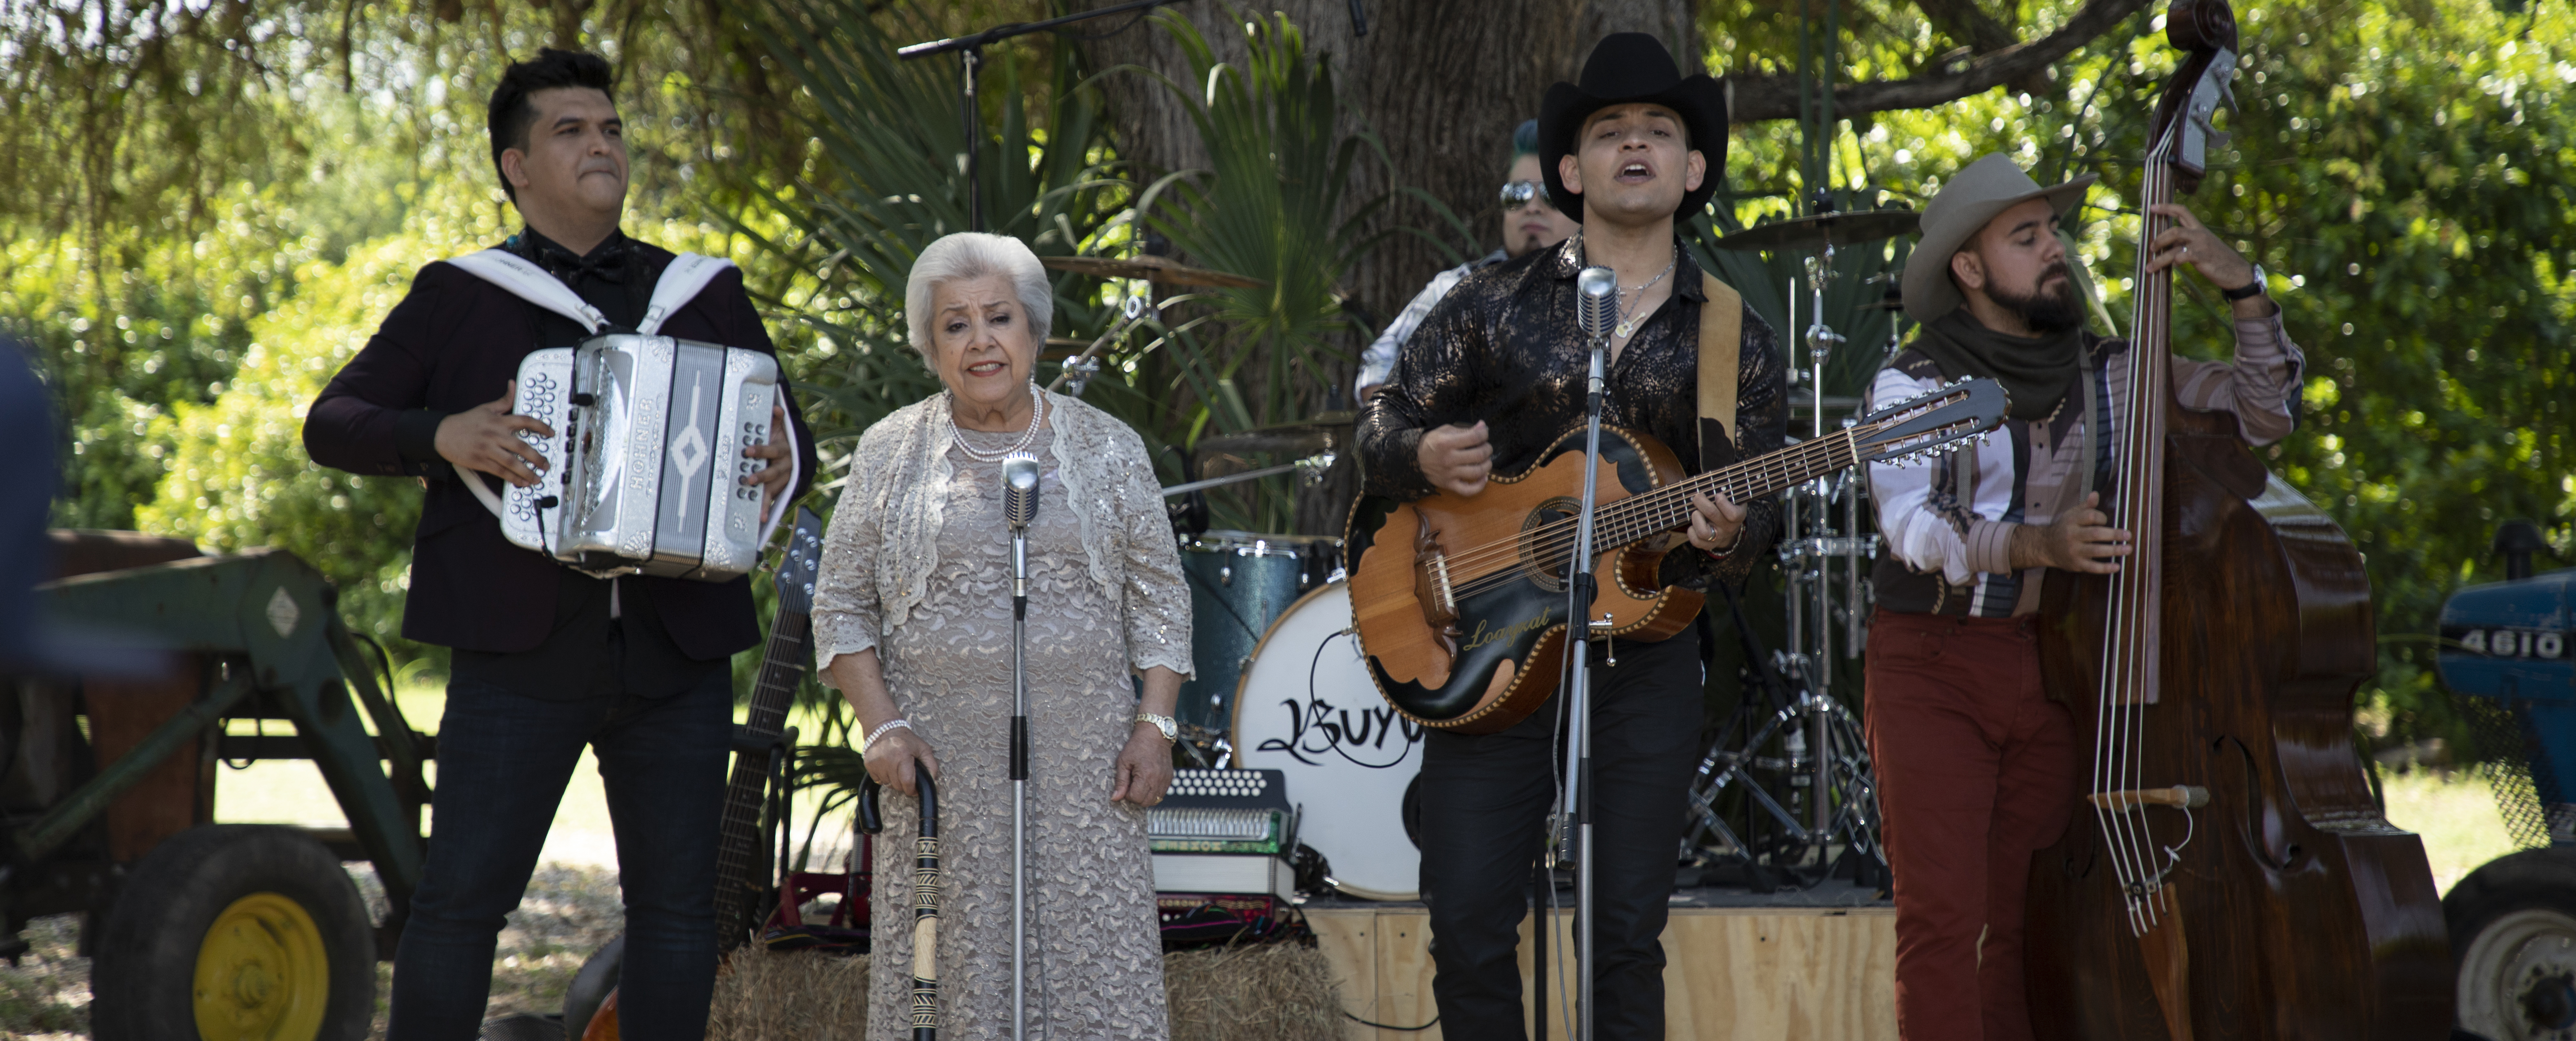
(2456, 815)
(572, 904)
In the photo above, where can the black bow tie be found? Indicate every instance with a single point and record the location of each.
(607, 263)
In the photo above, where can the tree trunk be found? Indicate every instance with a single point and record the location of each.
(1441, 82)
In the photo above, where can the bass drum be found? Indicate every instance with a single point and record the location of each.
(1307, 708)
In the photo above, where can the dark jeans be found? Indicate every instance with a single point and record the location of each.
(503, 760)
(1484, 806)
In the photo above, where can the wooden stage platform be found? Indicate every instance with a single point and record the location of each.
(1735, 969)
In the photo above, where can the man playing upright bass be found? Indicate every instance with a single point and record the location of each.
(1492, 378)
(1975, 764)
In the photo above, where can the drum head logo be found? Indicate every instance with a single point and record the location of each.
(1340, 721)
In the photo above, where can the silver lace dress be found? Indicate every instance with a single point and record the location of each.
(1096, 967)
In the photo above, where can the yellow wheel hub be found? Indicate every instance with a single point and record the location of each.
(263, 973)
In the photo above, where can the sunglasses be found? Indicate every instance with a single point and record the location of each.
(1525, 193)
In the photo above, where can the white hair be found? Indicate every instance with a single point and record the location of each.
(969, 255)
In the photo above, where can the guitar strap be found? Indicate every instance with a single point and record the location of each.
(1721, 346)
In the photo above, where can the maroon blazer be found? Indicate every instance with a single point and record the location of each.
(454, 343)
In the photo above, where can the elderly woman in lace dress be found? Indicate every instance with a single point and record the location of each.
(912, 622)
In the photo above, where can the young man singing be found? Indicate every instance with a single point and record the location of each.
(1492, 378)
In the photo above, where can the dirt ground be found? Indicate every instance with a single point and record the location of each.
(571, 909)
(569, 912)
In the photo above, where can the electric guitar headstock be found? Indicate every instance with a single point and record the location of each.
(1932, 423)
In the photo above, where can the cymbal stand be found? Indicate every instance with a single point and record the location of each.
(1079, 369)
(970, 54)
(1820, 747)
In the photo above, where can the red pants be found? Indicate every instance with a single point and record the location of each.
(1975, 772)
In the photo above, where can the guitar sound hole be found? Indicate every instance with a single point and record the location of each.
(1543, 555)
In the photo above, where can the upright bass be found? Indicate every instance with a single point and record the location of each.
(2226, 873)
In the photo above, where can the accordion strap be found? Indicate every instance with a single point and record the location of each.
(680, 283)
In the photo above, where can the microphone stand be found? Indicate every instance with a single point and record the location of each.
(1019, 522)
(1580, 591)
(970, 56)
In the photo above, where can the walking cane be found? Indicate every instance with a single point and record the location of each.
(925, 899)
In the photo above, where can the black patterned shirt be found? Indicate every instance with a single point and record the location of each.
(1504, 347)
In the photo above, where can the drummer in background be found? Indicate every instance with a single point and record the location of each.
(1530, 222)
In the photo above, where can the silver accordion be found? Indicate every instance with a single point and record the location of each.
(646, 462)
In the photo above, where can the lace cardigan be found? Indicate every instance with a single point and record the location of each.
(899, 477)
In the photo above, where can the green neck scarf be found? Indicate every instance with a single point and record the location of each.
(2036, 372)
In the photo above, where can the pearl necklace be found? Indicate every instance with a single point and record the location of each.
(957, 434)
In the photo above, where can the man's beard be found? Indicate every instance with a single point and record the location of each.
(2044, 312)
(1522, 245)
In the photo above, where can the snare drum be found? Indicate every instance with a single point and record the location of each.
(1307, 708)
(1240, 582)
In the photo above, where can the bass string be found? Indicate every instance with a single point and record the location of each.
(2118, 712)
(2108, 728)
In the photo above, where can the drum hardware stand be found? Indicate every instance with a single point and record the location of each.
(1822, 746)
(970, 54)
(1079, 369)
(1310, 469)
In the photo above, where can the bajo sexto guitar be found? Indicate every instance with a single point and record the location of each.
(1459, 603)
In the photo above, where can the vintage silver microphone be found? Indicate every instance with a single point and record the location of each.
(1019, 507)
(1596, 306)
(1596, 301)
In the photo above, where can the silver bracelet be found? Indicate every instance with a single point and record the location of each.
(880, 731)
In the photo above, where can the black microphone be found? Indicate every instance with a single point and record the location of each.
(1596, 295)
(1020, 490)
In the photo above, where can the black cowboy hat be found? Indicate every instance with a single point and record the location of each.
(1626, 69)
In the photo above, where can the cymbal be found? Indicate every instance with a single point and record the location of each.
(1305, 437)
(1151, 268)
(1843, 229)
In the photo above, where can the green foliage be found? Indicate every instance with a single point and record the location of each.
(1273, 205)
(239, 477)
(2403, 172)
(1270, 206)
(884, 184)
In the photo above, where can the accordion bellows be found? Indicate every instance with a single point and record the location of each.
(647, 459)
(644, 469)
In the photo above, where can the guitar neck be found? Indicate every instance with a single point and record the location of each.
(782, 669)
(738, 832)
(1668, 508)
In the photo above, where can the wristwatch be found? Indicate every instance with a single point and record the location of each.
(2253, 288)
(1171, 730)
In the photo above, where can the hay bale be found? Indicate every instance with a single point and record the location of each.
(765, 995)
(1272, 992)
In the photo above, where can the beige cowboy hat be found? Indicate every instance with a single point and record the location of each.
(1987, 187)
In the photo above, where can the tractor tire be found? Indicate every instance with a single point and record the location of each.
(2513, 945)
(235, 932)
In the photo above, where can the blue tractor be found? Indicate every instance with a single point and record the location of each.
(2509, 648)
